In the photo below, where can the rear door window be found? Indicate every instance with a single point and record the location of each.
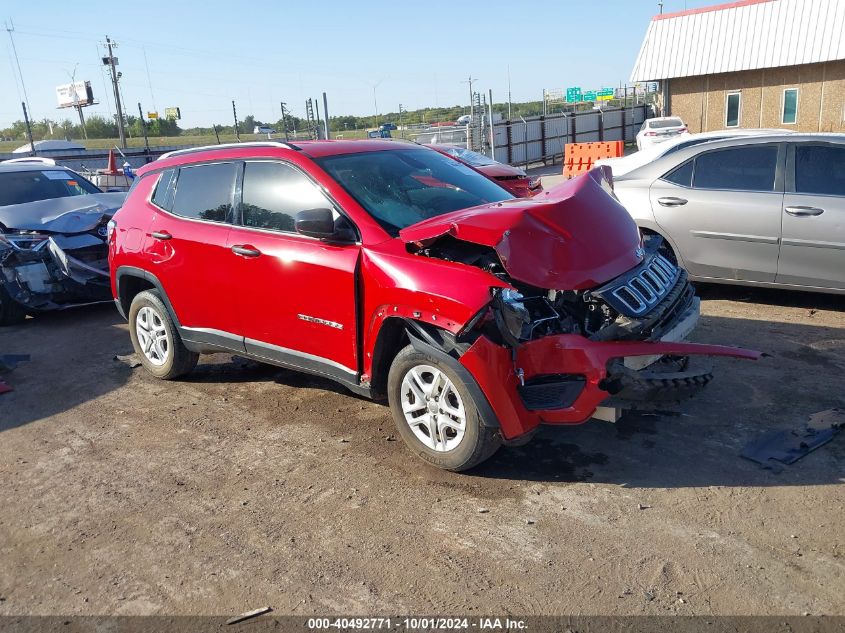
(739, 169)
(819, 169)
(204, 192)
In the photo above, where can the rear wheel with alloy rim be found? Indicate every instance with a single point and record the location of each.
(435, 413)
(156, 341)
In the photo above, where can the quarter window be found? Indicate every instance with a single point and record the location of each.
(204, 192)
(741, 169)
(790, 105)
(732, 110)
(818, 170)
(161, 195)
(273, 193)
(681, 175)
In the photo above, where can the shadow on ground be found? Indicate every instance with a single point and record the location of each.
(72, 362)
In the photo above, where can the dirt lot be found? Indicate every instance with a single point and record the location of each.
(246, 486)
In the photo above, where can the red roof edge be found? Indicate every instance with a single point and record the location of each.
(715, 7)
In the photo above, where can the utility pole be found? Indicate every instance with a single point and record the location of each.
(401, 125)
(660, 4)
(111, 62)
(235, 114)
(469, 81)
(317, 129)
(10, 28)
(509, 92)
(28, 128)
(285, 120)
(326, 115)
(492, 129)
(375, 102)
(144, 129)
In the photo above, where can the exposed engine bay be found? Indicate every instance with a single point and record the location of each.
(641, 304)
(653, 301)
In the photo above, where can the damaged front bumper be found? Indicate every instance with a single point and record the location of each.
(53, 272)
(562, 379)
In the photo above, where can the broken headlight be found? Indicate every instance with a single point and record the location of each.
(511, 314)
(23, 241)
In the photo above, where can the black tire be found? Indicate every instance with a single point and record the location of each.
(670, 379)
(479, 442)
(11, 312)
(178, 360)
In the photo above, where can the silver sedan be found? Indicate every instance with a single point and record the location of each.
(761, 211)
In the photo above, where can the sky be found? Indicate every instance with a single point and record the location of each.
(200, 56)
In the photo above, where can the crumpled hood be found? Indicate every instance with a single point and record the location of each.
(72, 214)
(575, 237)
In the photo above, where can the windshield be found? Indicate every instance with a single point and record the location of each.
(19, 187)
(656, 124)
(402, 187)
(468, 156)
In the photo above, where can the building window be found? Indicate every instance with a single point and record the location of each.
(732, 110)
(790, 105)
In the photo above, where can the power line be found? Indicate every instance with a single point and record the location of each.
(10, 28)
(149, 81)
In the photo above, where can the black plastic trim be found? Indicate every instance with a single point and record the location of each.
(551, 392)
(488, 417)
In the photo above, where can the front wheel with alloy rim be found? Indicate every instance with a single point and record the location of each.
(435, 413)
(156, 341)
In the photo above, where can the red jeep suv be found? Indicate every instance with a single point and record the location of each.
(403, 273)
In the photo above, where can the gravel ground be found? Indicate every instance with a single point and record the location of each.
(246, 485)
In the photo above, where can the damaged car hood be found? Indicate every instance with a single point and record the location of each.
(72, 214)
(576, 237)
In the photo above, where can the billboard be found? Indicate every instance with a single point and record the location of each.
(78, 93)
(172, 114)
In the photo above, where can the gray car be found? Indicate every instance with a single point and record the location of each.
(53, 239)
(760, 211)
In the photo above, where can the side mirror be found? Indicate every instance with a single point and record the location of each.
(315, 223)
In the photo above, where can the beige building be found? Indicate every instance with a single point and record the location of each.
(754, 63)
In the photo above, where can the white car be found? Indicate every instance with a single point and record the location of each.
(624, 164)
(658, 130)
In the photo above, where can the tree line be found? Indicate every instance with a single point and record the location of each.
(101, 127)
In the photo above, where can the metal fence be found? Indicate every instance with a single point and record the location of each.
(541, 139)
(92, 159)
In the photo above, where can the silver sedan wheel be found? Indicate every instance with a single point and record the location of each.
(433, 408)
(152, 335)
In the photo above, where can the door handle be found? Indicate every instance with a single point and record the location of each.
(803, 211)
(245, 250)
(161, 235)
(671, 202)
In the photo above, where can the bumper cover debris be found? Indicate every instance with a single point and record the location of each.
(592, 370)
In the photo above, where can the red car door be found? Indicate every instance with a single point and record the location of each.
(297, 299)
(187, 246)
